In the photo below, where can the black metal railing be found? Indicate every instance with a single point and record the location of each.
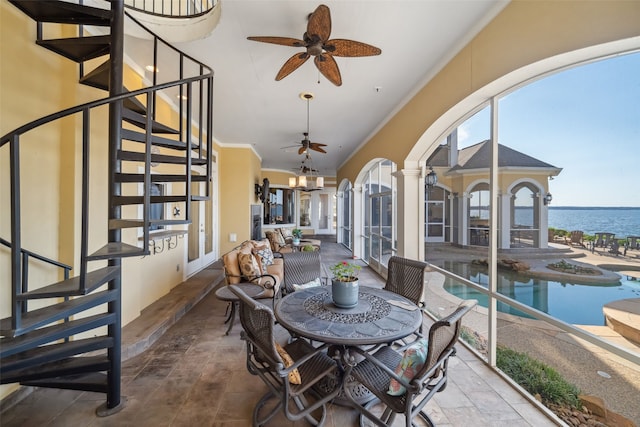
(172, 8)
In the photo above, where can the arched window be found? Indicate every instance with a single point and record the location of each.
(525, 218)
(478, 215)
(379, 215)
(345, 214)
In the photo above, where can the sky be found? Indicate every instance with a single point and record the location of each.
(585, 120)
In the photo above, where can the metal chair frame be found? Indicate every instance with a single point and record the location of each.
(263, 360)
(376, 370)
(302, 267)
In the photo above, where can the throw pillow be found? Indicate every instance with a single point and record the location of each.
(276, 240)
(311, 284)
(412, 361)
(294, 375)
(265, 254)
(248, 265)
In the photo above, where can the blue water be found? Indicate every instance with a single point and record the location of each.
(621, 221)
(573, 303)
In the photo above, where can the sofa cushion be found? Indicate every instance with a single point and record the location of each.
(231, 267)
(287, 233)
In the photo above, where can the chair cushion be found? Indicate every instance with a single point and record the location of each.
(294, 375)
(412, 361)
(311, 284)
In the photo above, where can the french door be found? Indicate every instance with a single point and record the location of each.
(202, 233)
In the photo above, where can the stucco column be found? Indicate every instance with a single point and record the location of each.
(463, 235)
(356, 226)
(410, 240)
(505, 224)
(544, 222)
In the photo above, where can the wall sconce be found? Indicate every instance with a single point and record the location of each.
(431, 178)
(547, 199)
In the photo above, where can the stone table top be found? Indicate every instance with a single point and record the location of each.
(380, 316)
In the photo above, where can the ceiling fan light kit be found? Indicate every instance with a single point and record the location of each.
(317, 44)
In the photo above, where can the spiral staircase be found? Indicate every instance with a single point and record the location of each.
(72, 339)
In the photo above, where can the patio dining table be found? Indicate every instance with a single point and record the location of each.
(379, 317)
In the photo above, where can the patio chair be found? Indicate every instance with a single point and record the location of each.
(406, 277)
(633, 242)
(301, 268)
(376, 372)
(279, 368)
(603, 240)
(577, 238)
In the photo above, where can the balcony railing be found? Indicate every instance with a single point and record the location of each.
(172, 8)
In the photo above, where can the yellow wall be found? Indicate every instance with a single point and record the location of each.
(239, 172)
(35, 82)
(523, 33)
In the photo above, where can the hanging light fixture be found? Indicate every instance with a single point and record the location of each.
(300, 182)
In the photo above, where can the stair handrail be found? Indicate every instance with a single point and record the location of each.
(97, 103)
(38, 256)
(166, 8)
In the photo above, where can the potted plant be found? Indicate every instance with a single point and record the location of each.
(344, 284)
(297, 235)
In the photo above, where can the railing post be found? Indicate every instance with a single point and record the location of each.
(16, 244)
(115, 142)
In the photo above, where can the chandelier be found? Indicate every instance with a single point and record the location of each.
(307, 178)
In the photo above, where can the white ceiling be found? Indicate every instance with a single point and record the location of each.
(250, 107)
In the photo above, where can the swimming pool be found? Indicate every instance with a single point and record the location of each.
(573, 303)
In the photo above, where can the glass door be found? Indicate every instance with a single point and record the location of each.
(202, 245)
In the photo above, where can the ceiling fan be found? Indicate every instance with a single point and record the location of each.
(306, 144)
(316, 41)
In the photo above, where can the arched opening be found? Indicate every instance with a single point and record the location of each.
(525, 216)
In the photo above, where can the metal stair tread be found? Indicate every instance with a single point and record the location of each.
(138, 200)
(49, 353)
(116, 224)
(136, 156)
(132, 135)
(157, 177)
(141, 121)
(52, 333)
(71, 287)
(52, 313)
(116, 250)
(93, 381)
(79, 49)
(63, 12)
(65, 367)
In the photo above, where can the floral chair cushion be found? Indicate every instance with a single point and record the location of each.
(412, 361)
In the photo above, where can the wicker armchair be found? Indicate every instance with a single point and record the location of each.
(264, 359)
(300, 268)
(376, 370)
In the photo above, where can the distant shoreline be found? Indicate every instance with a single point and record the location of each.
(593, 207)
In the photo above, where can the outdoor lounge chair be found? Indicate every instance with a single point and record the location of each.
(577, 238)
(603, 240)
(377, 370)
(291, 372)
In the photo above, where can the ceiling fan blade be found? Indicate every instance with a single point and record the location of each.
(351, 48)
(285, 41)
(329, 68)
(302, 149)
(317, 148)
(320, 23)
(292, 64)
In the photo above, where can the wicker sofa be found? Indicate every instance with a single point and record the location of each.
(281, 240)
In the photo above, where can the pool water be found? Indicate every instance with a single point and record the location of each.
(570, 302)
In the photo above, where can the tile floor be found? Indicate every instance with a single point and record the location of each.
(195, 375)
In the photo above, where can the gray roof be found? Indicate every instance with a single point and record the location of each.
(478, 156)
